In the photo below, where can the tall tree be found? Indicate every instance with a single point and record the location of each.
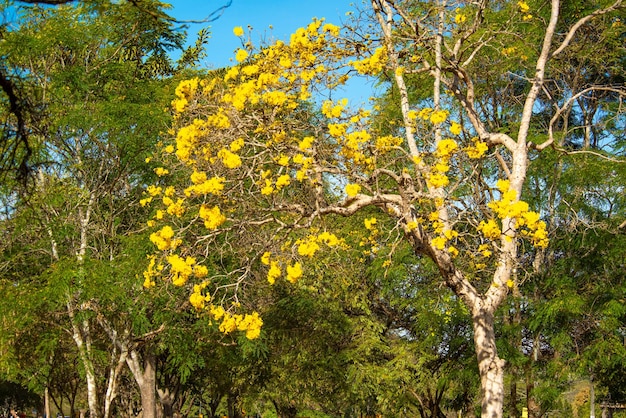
(100, 79)
(448, 180)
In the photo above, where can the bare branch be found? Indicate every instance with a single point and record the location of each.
(566, 106)
(582, 21)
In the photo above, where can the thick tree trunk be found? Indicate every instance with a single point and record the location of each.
(490, 366)
(146, 380)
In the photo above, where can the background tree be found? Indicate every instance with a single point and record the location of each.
(100, 80)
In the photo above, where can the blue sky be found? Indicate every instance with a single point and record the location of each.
(283, 16)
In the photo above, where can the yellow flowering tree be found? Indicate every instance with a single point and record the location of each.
(262, 172)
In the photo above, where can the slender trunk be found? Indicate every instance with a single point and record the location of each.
(46, 403)
(82, 337)
(513, 399)
(166, 397)
(114, 372)
(592, 400)
(490, 366)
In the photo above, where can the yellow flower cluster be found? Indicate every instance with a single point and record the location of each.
(229, 158)
(334, 110)
(525, 9)
(455, 128)
(197, 299)
(294, 271)
(441, 241)
(386, 143)
(213, 186)
(250, 323)
(213, 217)
(306, 247)
(509, 207)
(180, 268)
(174, 208)
(188, 138)
(352, 189)
(370, 242)
(281, 73)
(460, 17)
(153, 270)
(164, 239)
(490, 229)
(184, 92)
(477, 150)
(438, 116)
(445, 150)
(353, 145)
(374, 64)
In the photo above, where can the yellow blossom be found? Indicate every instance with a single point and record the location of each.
(274, 272)
(438, 180)
(213, 217)
(163, 238)
(352, 189)
(238, 31)
(294, 272)
(198, 177)
(439, 242)
(484, 250)
(523, 6)
(229, 159)
(180, 268)
(154, 190)
(439, 116)
(446, 147)
(282, 181)
(283, 160)
(197, 301)
(236, 145)
(477, 150)
(241, 55)
(374, 64)
(370, 222)
(490, 229)
(455, 128)
(217, 312)
(308, 248)
(306, 143)
(214, 186)
(200, 271)
(268, 189)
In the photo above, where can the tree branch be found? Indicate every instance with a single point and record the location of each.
(582, 21)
